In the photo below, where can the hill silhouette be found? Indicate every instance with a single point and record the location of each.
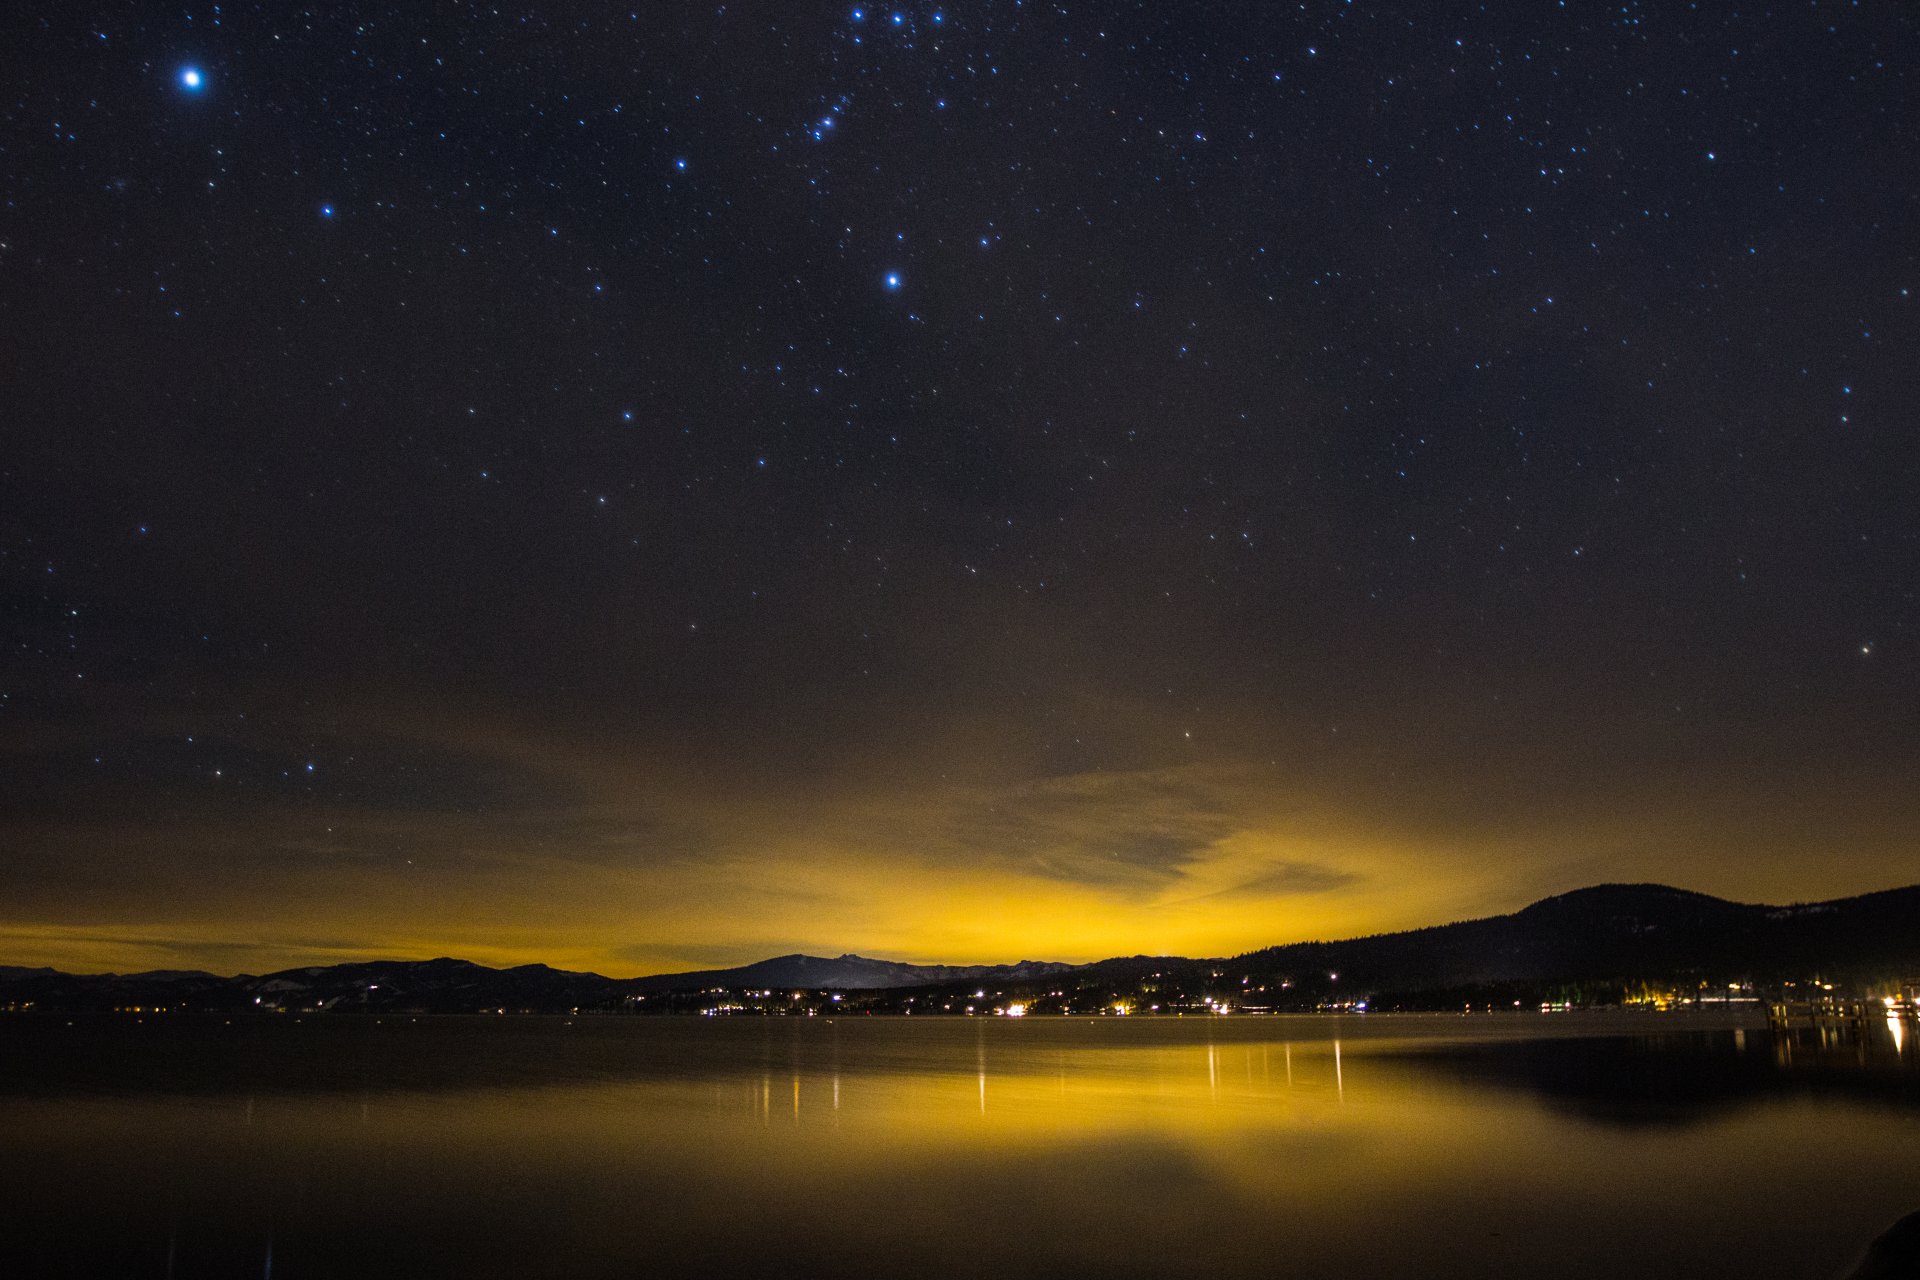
(1604, 938)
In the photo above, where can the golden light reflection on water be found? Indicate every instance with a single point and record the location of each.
(968, 1149)
(1058, 1096)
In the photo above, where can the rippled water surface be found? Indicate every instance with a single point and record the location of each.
(1584, 1145)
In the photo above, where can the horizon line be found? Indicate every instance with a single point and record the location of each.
(912, 964)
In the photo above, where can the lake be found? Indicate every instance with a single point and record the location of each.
(1514, 1145)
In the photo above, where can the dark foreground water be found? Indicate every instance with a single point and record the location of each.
(1536, 1146)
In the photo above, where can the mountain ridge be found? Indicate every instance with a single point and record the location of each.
(1606, 933)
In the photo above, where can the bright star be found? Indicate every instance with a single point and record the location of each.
(893, 279)
(190, 78)
(326, 211)
(680, 164)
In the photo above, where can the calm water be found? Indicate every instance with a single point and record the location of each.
(1584, 1145)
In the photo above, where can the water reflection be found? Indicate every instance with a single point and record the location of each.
(944, 1149)
(1693, 1078)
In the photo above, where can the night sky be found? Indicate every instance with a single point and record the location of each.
(647, 489)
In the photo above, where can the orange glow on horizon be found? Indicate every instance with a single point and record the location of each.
(1203, 859)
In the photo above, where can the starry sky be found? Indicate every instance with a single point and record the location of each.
(640, 488)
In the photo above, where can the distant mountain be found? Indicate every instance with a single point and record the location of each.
(1622, 933)
(460, 986)
(433, 986)
(1599, 939)
(844, 973)
(1593, 945)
